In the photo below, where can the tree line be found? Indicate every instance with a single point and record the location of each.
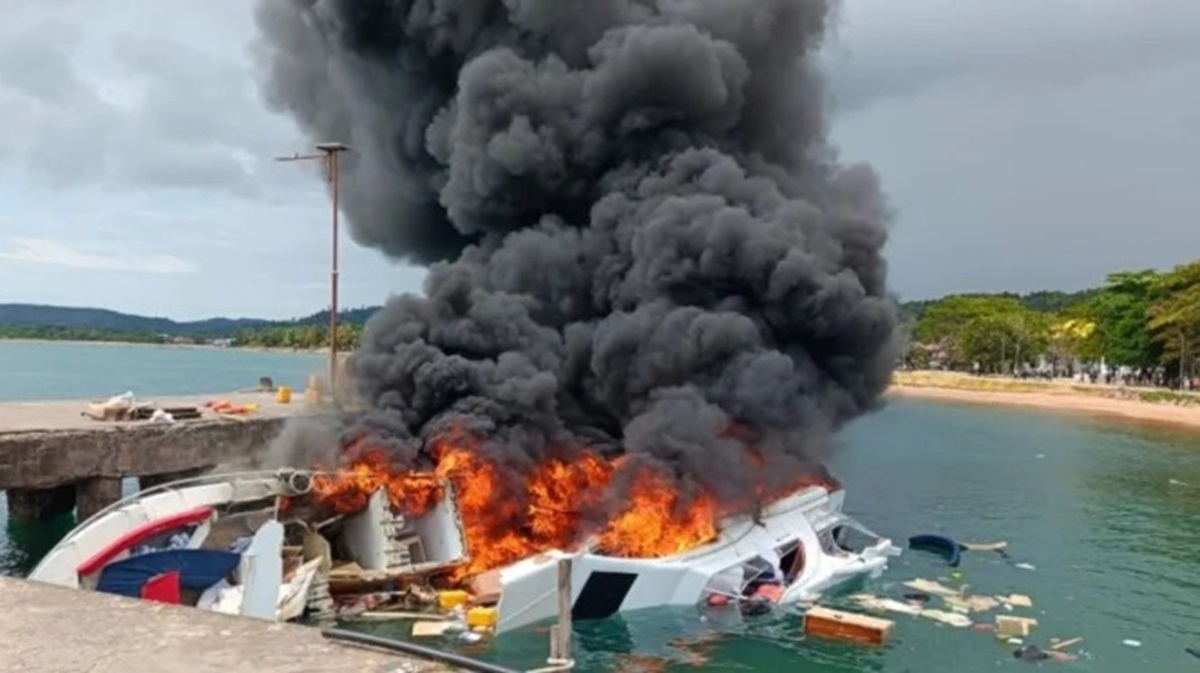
(60, 333)
(1142, 326)
(299, 336)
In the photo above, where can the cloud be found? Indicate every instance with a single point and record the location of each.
(134, 95)
(1027, 144)
(894, 49)
(1024, 143)
(253, 258)
(47, 252)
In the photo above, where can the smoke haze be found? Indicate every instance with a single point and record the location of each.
(641, 239)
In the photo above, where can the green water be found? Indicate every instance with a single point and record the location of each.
(1091, 504)
(1114, 544)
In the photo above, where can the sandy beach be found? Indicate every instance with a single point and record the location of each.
(1140, 404)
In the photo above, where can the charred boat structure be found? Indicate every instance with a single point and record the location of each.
(254, 544)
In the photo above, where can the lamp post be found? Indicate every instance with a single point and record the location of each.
(329, 153)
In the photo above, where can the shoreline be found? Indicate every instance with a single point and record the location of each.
(1159, 407)
(249, 349)
(1149, 405)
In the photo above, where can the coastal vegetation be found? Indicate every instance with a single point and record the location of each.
(1142, 326)
(299, 336)
(61, 333)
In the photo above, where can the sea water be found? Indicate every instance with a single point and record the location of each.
(45, 370)
(1100, 519)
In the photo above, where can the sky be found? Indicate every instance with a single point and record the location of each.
(1024, 144)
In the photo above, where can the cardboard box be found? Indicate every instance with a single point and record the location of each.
(822, 622)
(1008, 626)
(485, 588)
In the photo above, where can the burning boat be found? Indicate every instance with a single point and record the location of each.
(794, 550)
(262, 545)
(652, 308)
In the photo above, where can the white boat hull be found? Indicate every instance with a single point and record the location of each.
(602, 585)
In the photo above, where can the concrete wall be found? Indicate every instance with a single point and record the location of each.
(49, 472)
(45, 459)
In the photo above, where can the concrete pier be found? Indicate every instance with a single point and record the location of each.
(47, 629)
(53, 459)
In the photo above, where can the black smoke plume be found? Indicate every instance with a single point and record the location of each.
(641, 239)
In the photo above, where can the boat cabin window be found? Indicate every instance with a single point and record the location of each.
(762, 578)
(791, 557)
(852, 539)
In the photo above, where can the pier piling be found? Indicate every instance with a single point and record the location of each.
(94, 494)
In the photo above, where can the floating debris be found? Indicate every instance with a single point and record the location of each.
(820, 622)
(930, 587)
(938, 544)
(1016, 600)
(971, 603)
(1030, 653)
(1009, 626)
(955, 619)
(870, 602)
(949, 618)
(983, 546)
(431, 628)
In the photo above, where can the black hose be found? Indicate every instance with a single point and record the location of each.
(458, 660)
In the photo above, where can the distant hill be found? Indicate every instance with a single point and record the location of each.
(104, 320)
(78, 318)
(1045, 301)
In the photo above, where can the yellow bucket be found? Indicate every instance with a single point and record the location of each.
(482, 617)
(448, 600)
(284, 394)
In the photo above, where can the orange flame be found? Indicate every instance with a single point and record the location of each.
(507, 516)
(655, 523)
(348, 491)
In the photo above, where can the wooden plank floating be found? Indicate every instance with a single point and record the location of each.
(832, 624)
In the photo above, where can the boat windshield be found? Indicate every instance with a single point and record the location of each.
(846, 535)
